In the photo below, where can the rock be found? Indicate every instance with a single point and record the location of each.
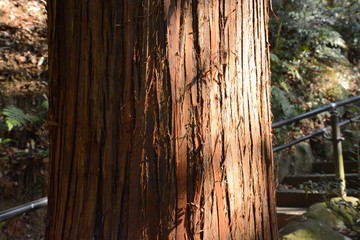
(310, 230)
(328, 150)
(296, 160)
(345, 208)
(321, 212)
(303, 158)
(283, 161)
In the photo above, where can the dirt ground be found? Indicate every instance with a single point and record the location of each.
(23, 84)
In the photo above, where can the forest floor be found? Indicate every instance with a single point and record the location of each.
(23, 84)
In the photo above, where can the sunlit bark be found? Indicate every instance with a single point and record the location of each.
(160, 120)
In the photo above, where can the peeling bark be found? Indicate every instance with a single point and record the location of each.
(163, 120)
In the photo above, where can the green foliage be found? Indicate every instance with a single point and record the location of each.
(307, 37)
(5, 141)
(315, 58)
(15, 117)
(327, 186)
(45, 105)
(2, 224)
(281, 104)
(346, 15)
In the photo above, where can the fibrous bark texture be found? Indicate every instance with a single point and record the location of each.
(160, 123)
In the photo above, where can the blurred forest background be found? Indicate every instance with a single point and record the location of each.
(315, 60)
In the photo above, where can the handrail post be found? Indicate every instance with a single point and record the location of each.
(338, 155)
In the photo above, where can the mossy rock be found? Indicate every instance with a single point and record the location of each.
(309, 230)
(321, 212)
(345, 208)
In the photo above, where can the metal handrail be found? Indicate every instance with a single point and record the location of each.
(25, 208)
(314, 134)
(336, 138)
(312, 113)
(329, 107)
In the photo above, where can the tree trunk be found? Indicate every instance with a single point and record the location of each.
(160, 123)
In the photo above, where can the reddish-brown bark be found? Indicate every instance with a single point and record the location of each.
(163, 120)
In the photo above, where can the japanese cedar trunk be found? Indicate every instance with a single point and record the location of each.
(160, 123)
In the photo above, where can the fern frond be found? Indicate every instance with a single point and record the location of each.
(15, 117)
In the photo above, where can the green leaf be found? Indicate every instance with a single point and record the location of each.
(15, 117)
(6, 140)
(274, 58)
(45, 104)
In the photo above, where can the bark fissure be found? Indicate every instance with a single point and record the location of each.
(163, 120)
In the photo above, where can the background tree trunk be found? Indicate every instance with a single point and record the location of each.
(160, 120)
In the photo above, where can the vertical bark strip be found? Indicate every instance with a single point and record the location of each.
(161, 120)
